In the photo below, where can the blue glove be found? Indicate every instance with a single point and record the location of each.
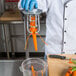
(29, 4)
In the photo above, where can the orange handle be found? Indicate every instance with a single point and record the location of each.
(35, 41)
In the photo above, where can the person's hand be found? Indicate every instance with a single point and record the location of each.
(29, 4)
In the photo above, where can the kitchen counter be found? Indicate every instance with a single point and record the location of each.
(10, 68)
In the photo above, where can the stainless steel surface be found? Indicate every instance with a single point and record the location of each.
(12, 47)
(6, 41)
(1, 6)
(1, 39)
(27, 54)
(10, 68)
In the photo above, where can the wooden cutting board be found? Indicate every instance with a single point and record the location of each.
(11, 16)
(58, 67)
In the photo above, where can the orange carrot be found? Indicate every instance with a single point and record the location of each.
(33, 18)
(67, 74)
(74, 73)
(42, 72)
(33, 72)
(70, 61)
(35, 41)
(70, 70)
(33, 30)
(32, 23)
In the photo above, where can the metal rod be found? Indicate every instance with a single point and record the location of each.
(6, 43)
(36, 20)
(25, 34)
(24, 30)
(12, 47)
(38, 23)
(3, 37)
(28, 23)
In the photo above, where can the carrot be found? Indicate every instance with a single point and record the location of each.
(32, 23)
(35, 41)
(42, 72)
(67, 74)
(33, 30)
(70, 70)
(33, 18)
(74, 73)
(70, 61)
(33, 71)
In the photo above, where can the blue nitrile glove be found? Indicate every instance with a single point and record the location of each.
(29, 4)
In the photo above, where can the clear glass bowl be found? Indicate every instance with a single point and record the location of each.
(39, 66)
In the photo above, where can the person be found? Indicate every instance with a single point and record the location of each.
(60, 23)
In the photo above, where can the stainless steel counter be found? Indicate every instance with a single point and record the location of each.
(10, 68)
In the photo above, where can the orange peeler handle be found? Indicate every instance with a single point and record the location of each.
(35, 41)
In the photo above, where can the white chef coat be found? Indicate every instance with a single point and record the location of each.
(60, 25)
(70, 27)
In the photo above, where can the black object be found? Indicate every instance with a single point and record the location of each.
(57, 56)
(17, 55)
